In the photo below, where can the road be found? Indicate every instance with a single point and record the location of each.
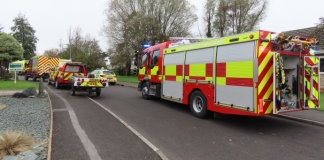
(174, 131)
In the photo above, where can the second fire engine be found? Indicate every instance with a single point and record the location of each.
(252, 74)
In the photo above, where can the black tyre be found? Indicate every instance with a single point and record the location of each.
(72, 91)
(145, 91)
(26, 78)
(98, 91)
(34, 78)
(112, 83)
(57, 85)
(198, 105)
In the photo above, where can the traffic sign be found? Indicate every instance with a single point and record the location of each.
(15, 67)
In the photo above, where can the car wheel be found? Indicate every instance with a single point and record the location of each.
(72, 91)
(57, 85)
(198, 105)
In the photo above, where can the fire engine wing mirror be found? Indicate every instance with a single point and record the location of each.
(136, 54)
(135, 62)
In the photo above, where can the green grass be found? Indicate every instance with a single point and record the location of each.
(20, 85)
(130, 79)
(322, 102)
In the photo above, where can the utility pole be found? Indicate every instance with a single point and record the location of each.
(70, 53)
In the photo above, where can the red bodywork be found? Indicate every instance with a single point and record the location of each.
(147, 69)
(63, 76)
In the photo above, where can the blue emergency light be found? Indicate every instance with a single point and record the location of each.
(146, 45)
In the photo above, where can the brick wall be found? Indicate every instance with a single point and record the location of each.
(322, 82)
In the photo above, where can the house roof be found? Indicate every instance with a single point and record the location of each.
(310, 32)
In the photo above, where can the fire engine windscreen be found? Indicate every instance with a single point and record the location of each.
(73, 68)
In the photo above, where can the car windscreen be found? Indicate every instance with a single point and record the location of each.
(73, 68)
(108, 72)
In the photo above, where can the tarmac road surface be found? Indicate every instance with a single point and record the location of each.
(173, 130)
(83, 130)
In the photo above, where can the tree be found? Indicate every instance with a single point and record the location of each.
(128, 22)
(319, 27)
(83, 49)
(25, 35)
(236, 16)
(209, 16)
(10, 50)
(54, 52)
(1, 28)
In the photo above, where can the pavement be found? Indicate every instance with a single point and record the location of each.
(314, 116)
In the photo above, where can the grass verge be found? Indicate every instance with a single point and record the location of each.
(130, 79)
(322, 102)
(20, 85)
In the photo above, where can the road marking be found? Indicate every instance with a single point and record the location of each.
(87, 144)
(60, 110)
(134, 131)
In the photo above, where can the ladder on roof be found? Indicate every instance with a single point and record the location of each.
(190, 39)
(288, 43)
(179, 41)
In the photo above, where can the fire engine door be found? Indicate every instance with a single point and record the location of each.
(310, 82)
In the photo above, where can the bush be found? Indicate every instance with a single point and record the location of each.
(12, 143)
(8, 77)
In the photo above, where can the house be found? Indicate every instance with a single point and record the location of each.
(312, 32)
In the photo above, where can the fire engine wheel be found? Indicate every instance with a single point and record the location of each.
(98, 93)
(26, 78)
(145, 91)
(72, 91)
(198, 105)
(34, 78)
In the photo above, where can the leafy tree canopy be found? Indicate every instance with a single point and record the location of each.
(10, 49)
(25, 35)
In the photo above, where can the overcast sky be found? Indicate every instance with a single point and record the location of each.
(52, 18)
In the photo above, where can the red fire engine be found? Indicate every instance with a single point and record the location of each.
(252, 74)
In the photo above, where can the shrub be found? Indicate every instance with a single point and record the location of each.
(8, 76)
(12, 143)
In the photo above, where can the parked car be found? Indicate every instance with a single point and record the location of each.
(110, 75)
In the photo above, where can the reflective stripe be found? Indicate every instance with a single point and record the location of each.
(198, 70)
(220, 80)
(154, 70)
(242, 69)
(311, 61)
(265, 73)
(170, 70)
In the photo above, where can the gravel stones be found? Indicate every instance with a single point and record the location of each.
(2, 106)
(27, 115)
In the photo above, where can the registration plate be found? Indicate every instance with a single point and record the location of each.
(92, 82)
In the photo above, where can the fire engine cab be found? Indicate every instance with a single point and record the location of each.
(254, 74)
